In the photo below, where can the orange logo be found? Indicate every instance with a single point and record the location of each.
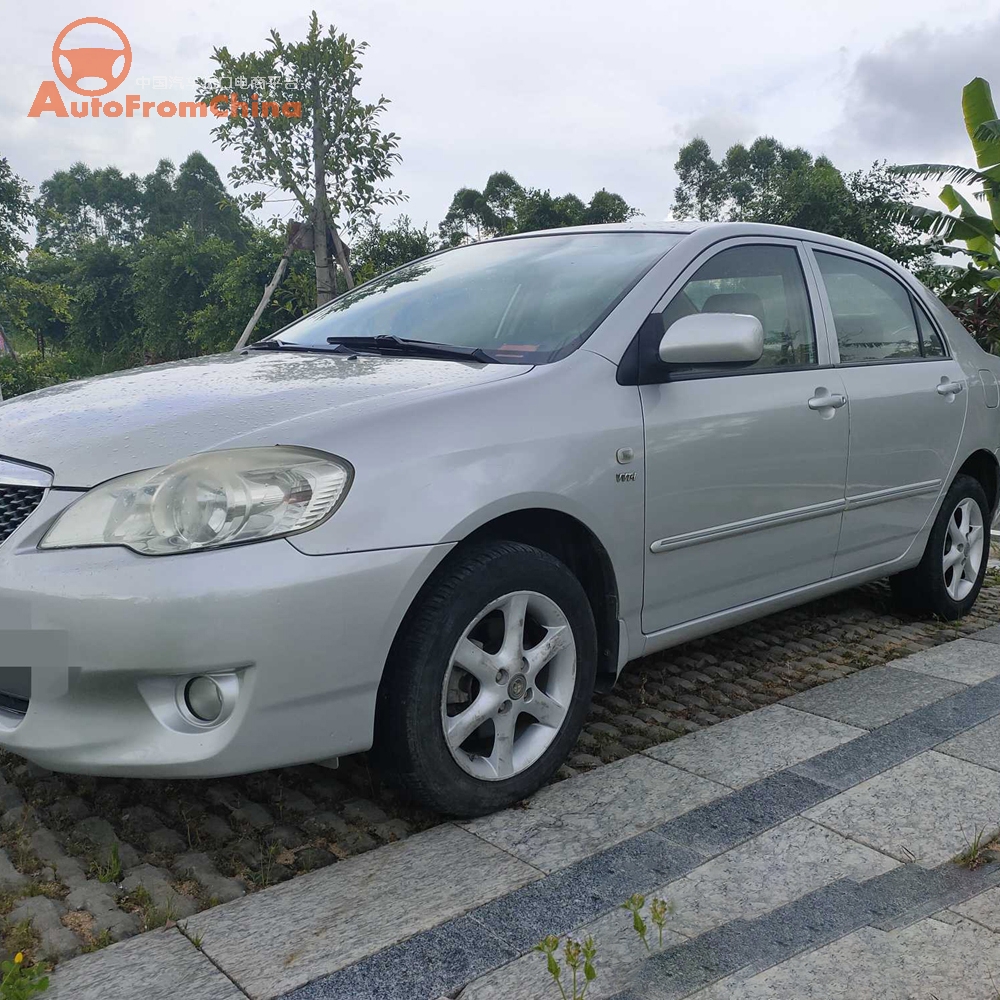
(98, 64)
(91, 62)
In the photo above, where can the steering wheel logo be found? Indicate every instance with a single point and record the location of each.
(91, 62)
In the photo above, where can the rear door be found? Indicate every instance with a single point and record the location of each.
(907, 399)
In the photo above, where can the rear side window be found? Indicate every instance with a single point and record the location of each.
(872, 312)
(764, 281)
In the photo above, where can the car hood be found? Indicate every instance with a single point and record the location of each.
(95, 429)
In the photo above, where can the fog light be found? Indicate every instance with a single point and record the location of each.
(203, 699)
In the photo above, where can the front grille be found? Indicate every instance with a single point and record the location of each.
(16, 503)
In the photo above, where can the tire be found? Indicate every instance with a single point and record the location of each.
(932, 587)
(470, 611)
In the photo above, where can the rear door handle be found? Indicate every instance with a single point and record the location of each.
(827, 401)
(948, 388)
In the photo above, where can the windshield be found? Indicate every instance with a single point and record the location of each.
(529, 300)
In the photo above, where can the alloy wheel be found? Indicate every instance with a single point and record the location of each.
(963, 549)
(509, 685)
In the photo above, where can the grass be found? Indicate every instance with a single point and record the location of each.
(20, 937)
(977, 853)
(261, 876)
(195, 939)
(150, 915)
(98, 941)
(110, 872)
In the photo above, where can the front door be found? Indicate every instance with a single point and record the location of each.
(907, 400)
(745, 468)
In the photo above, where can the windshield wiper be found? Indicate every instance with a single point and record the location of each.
(283, 345)
(388, 344)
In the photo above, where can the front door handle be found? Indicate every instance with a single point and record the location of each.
(948, 388)
(827, 401)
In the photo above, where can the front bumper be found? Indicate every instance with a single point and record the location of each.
(307, 637)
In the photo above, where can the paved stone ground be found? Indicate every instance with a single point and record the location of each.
(811, 849)
(89, 861)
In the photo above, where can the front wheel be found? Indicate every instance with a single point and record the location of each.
(948, 579)
(489, 682)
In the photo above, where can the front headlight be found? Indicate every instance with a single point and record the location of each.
(216, 498)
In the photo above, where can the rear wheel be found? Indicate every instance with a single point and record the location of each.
(949, 577)
(489, 681)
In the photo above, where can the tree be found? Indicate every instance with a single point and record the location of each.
(501, 195)
(334, 159)
(699, 192)
(504, 207)
(606, 207)
(771, 183)
(467, 209)
(379, 250)
(81, 204)
(972, 292)
(16, 215)
(980, 233)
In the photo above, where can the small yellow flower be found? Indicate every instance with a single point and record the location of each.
(19, 958)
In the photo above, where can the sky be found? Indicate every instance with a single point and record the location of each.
(569, 95)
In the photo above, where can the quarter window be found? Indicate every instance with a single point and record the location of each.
(764, 281)
(930, 339)
(872, 312)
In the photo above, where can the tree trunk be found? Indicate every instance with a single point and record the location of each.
(338, 246)
(6, 347)
(265, 298)
(324, 272)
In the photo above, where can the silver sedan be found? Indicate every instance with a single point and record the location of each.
(431, 516)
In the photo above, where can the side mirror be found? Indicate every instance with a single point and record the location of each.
(713, 339)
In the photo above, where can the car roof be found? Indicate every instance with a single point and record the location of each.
(713, 232)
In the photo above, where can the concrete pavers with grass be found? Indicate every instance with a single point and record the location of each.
(807, 848)
(195, 844)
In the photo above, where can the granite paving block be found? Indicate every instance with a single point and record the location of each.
(883, 748)
(721, 825)
(752, 746)
(980, 745)
(567, 821)
(620, 955)
(924, 809)
(576, 894)
(159, 965)
(873, 697)
(777, 867)
(991, 634)
(910, 892)
(274, 941)
(964, 660)
(960, 711)
(423, 967)
(811, 921)
(983, 909)
(929, 959)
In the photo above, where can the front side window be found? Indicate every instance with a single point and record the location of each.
(872, 312)
(524, 301)
(764, 281)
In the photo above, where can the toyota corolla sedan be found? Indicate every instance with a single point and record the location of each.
(432, 516)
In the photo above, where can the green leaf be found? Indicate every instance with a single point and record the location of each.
(978, 108)
(947, 227)
(947, 171)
